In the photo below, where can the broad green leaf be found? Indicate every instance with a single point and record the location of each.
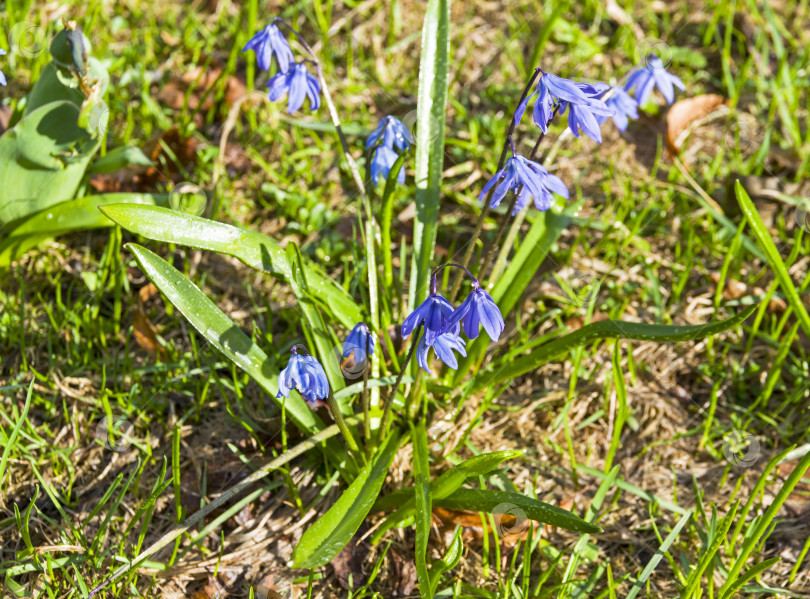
(606, 329)
(42, 160)
(659, 555)
(221, 332)
(429, 138)
(446, 484)
(421, 476)
(331, 532)
(119, 158)
(254, 249)
(483, 500)
(74, 215)
(774, 259)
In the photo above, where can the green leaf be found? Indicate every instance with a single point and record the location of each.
(483, 500)
(119, 158)
(450, 560)
(42, 160)
(331, 532)
(752, 572)
(254, 249)
(221, 332)
(74, 215)
(721, 533)
(446, 484)
(430, 120)
(421, 476)
(774, 259)
(659, 555)
(606, 329)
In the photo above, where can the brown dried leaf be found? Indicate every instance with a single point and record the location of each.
(684, 113)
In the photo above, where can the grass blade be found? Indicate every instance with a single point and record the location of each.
(421, 475)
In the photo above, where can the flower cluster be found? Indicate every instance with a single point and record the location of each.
(443, 324)
(292, 78)
(588, 105)
(389, 139)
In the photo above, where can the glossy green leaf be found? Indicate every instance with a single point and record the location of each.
(606, 329)
(322, 541)
(254, 249)
(774, 259)
(429, 137)
(74, 215)
(42, 160)
(221, 332)
(444, 485)
(421, 475)
(484, 500)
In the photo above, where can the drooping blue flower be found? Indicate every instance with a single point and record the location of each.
(478, 309)
(433, 313)
(584, 117)
(381, 162)
(395, 134)
(356, 343)
(444, 346)
(298, 84)
(653, 74)
(624, 107)
(2, 76)
(267, 43)
(306, 375)
(535, 180)
(550, 91)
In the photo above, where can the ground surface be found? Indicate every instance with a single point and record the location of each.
(657, 232)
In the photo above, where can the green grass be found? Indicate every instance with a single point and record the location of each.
(78, 501)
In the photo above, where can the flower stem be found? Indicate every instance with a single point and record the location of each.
(366, 414)
(338, 418)
(479, 226)
(389, 400)
(507, 217)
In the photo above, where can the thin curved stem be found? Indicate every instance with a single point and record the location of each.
(338, 418)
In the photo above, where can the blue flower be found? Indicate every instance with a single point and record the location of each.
(550, 91)
(535, 180)
(652, 75)
(356, 343)
(395, 134)
(267, 43)
(381, 163)
(584, 116)
(433, 312)
(444, 346)
(624, 107)
(297, 83)
(2, 76)
(478, 309)
(306, 375)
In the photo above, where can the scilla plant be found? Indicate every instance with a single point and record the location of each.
(52, 148)
(468, 333)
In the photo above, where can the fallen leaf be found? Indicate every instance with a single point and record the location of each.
(684, 113)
